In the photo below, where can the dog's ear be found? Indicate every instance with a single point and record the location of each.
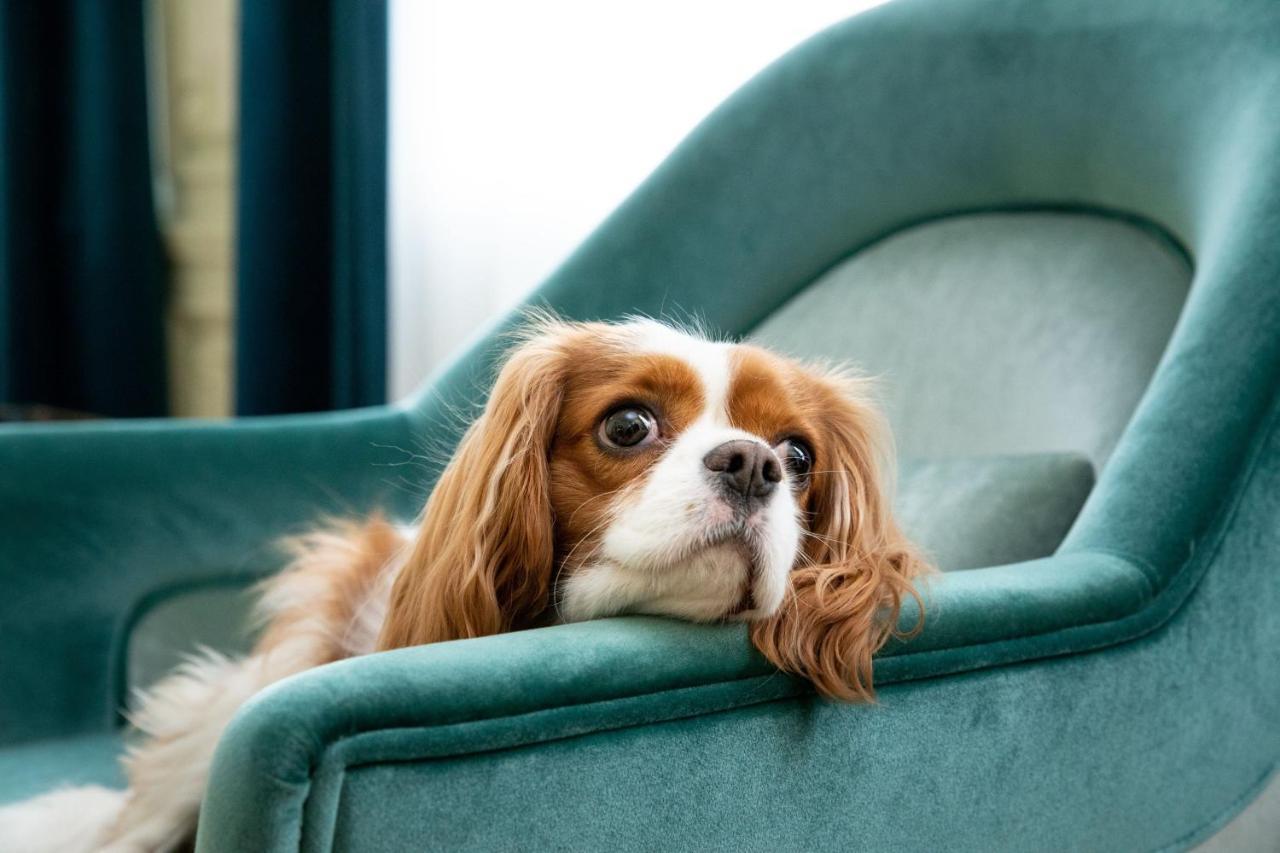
(844, 597)
(483, 559)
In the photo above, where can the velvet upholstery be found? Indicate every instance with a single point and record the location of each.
(1122, 694)
(998, 333)
(969, 512)
(170, 627)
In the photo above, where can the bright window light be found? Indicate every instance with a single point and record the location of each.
(517, 127)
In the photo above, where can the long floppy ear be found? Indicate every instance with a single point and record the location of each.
(845, 596)
(483, 559)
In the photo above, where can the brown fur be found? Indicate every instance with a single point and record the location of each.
(332, 571)
(585, 478)
(484, 556)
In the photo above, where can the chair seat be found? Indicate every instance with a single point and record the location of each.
(34, 768)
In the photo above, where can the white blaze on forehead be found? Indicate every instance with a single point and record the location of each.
(709, 359)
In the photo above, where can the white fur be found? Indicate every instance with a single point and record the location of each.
(65, 820)
(702, 589)
(182, 718)
(659, 553)
(362, 634)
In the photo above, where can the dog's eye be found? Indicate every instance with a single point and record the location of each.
(630, 426)
(798, 459)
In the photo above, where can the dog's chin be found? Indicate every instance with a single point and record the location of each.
(711, 582)
(749, 546)
(718, 574)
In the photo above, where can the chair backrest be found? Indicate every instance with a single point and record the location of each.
(998, 333)
(922, 110)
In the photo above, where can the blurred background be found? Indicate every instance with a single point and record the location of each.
(212, 208)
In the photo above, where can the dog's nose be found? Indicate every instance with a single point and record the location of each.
(745, 468)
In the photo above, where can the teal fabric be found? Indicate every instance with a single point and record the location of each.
(81, 263)
(176, 624)
(101, 519)
(1121, 694)
(311, 199)
(34, 768)
(998, 332)
(1254, 828)
(970, 512)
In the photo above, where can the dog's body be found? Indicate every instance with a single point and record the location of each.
(616, 469)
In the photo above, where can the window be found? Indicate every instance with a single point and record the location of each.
(516, 127)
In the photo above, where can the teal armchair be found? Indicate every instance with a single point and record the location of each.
(1052, 229)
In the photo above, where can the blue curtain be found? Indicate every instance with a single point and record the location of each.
(311, 210)
(81, 262)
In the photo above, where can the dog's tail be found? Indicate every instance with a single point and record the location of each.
(66, 820)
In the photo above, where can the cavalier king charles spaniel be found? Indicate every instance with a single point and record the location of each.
(617, 468)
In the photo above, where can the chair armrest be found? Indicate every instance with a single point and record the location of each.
(278, 774)
(96, 517)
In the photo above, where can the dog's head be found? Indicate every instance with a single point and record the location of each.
(635, 468)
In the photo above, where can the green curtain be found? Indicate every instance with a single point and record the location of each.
(311, 209)
(81, 262)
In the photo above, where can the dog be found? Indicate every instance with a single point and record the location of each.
(616, 468)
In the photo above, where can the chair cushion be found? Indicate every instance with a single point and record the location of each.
(970, 512)
(33, 768)
(998, 333)
(179, 622)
